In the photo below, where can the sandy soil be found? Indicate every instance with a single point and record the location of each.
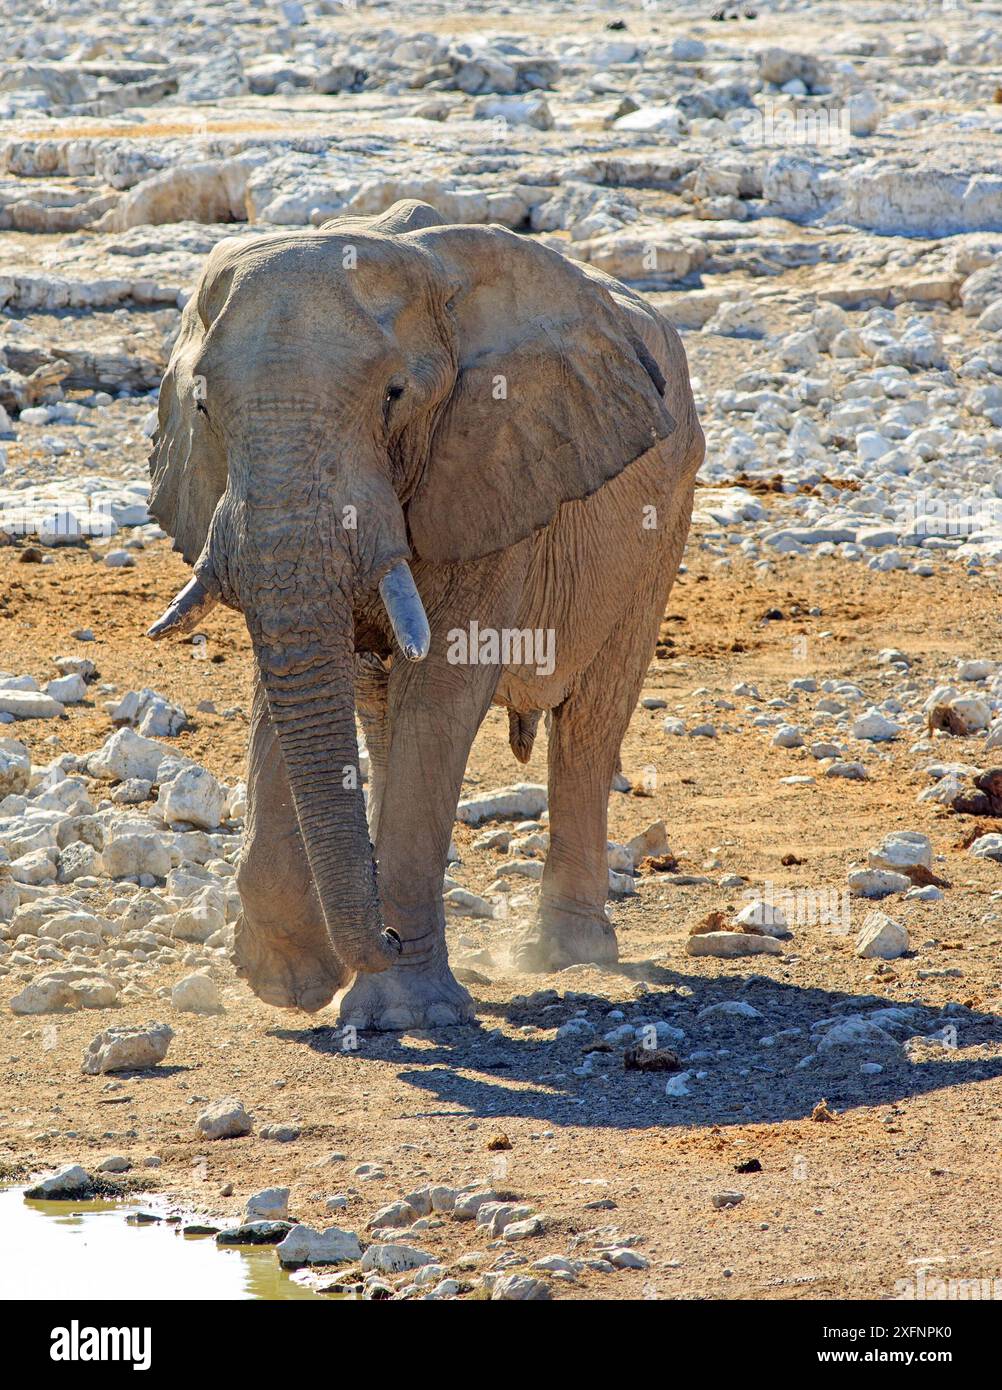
(908, 1171)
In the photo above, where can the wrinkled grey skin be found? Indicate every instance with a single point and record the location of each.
(386, 398)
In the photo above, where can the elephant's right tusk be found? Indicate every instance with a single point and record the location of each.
(406, 611)
(185, 611)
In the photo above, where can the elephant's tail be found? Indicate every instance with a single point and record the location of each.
(522, 732)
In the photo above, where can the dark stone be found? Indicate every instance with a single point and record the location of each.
(255, 1233)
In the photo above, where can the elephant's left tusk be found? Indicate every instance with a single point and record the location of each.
(185, 611)
(406, 611)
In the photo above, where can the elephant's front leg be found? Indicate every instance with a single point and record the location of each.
(432, 719)
(433, 712)
(282, 947)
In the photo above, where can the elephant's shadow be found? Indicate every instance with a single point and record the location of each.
(479, 1072)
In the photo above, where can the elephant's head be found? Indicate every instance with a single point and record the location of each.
(340, 400)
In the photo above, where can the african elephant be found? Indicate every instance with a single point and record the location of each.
(372, 435)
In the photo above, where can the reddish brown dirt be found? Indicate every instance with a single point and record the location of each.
(842, 1208)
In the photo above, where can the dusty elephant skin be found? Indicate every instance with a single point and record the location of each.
(375, 435)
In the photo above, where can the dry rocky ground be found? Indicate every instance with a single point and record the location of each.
(828, 680)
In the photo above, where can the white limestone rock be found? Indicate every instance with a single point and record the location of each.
(902, 849)
(151, 713)
(880, 937)
(465, 904)
(987, 846)
(730, 944)
(211, 191)
(394, 1259)
(515, 110)
(196, 994)
(10, 897)
(70, 1181)
(270, 1204)
(857, 1033)
(305, 1246)
(224, 1119)
(651, 253)
(875, 727)
(126, 755)
(62, 924)
(516, 1288)
(660, 120)
(740, 318)
(201, 917)
(130, 856)
(524, 801)
(29, 704)
(71, 988)
(79, 860)
(865, 111)
(877, 883)
(850, 771)
(67, 690)
(765, 918)
(132, 792)
(195, 797)
(650, 843)
(127, 1048)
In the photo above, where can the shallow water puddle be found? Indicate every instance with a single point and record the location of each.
(85, 1250)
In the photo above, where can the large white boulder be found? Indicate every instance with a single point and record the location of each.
(29, 704)
(195, 797)
(126, 755)
(211, 191)
(875, 727)
(201, 916)
(270, 1204)
(68, 690)
(149, 712)
(902, 850)
(127, 1048)
(881, 937)
(877, 883)
(196, 994)
(129, 856)
(524, 801)
(764, 918)
(225, 1119)
(76, 987)
(306, 1246)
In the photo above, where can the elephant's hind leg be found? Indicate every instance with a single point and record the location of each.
(586, 732)
(282, 947)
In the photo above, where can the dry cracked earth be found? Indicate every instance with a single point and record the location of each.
(809, 1110)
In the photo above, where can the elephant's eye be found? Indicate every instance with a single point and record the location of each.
(393, 393)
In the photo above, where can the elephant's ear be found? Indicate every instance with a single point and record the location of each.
(555, 394)
(187, 465)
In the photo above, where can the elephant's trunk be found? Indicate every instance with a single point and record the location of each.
(307, 674)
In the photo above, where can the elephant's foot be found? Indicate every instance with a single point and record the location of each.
(565, 936)
(405, 997)
(286, 971)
